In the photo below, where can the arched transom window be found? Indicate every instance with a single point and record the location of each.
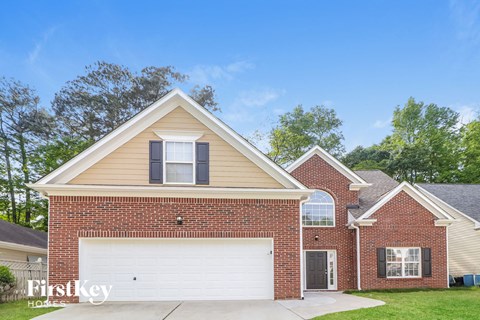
(319, 211)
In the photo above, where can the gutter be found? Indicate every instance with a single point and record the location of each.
(22, 247)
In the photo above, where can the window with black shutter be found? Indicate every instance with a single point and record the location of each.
(179, 162)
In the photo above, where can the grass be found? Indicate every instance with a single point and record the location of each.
(19, 310)
(454, 303)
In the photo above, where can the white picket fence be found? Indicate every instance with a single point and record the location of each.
(24, 271)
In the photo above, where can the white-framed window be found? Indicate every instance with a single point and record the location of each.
(403, 263)
(319, 211)
(179, 162)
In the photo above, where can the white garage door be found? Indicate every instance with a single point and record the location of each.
(179, 269)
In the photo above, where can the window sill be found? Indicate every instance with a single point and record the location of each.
(318, 226)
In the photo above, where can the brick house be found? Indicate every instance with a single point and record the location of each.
(175, 205)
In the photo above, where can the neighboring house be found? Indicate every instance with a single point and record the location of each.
(175, 205)
(21, 243)
(461, 201)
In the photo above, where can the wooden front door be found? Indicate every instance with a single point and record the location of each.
(317, 272)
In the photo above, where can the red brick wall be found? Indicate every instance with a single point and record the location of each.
(71, 217)
(315, 173)
(403, 222)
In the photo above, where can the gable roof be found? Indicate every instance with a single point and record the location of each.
(357, 181)
(381, 184)
(147, 117)
(465, 198)
(412, 192)
(13, 233)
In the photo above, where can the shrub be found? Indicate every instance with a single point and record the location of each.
(6, 277)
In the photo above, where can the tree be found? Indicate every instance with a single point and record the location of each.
(424, 143)
(54, 153)
(300, 130)
(470, 158)
(24, 125)
(96, 103)
(368, 158)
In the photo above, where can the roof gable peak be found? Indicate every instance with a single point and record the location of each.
(357, 181)
(147, 117)
(415, 194)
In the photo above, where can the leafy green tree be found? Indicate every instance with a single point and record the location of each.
(369, 158)
(470, 159)
(53, 154)
(424, 144)
(96, 103)
(300, 130)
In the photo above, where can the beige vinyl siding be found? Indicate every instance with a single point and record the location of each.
(129, 164)
(463, 246)
(9, 254)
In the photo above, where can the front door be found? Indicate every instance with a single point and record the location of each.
(317, 271)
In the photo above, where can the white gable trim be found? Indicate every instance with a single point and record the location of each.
(416, 195)
(146, 118)
(447, 207)
(357, 182)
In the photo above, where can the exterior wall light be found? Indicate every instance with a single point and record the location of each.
(179, 220)
(316, 238)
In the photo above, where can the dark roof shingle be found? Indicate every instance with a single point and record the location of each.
(463, 197)
(381, 185)
(14, 233)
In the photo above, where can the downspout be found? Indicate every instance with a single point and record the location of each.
(448, 260)
(301, 249)
(357, 233)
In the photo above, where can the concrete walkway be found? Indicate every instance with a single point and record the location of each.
(315, 304)
(320, 303)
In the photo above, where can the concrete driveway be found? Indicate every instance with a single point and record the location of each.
(315, 304)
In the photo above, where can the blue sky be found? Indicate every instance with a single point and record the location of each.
(362, 58)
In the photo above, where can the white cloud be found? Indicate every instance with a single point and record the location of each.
(258, 98)
(248, 106)
(380, 124)
(466, 16)
(35, 52)
(467, 113)
(328, 103)
(207, 74)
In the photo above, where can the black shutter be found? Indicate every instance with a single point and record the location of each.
(156, 161)
(381, 263)
(426, 262)
(202, 165)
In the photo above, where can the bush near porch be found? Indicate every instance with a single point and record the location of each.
(441, 304)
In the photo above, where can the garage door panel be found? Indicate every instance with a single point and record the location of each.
(179, 269)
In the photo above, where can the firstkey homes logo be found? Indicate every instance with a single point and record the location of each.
(95, 294)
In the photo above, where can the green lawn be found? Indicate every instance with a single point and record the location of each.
(455, 303)
(19, 310)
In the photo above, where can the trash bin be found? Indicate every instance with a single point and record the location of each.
(469, 280)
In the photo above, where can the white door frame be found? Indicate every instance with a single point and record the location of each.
(331, 255)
